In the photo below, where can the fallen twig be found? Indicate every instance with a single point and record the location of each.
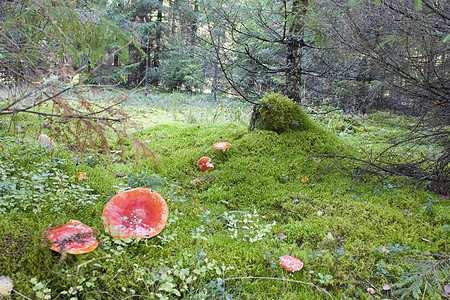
(20, 294)
(88, 262)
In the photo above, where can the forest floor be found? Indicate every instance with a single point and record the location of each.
(269, 195)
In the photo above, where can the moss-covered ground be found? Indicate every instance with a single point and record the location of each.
(269, 195)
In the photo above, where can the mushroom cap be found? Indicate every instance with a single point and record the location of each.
(291, 263)
(139, 213)
(6, 286)
(221, 145)
(46, 142)
(204, 164)
(74, 238)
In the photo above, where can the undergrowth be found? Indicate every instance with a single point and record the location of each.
(269, 195)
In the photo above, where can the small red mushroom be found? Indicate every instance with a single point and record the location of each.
(221, 145)
(81, 175)
(139, 213)
(204, 164)
(291, 263)
(73, 238)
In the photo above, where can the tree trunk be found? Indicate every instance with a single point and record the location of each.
(173, 21)
(194, 24)
(157, 50)
(294, 45)
(255, 119)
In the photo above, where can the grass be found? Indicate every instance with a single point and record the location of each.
(163, 108)
(227, 228)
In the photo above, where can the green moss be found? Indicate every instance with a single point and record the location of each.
(280, 114)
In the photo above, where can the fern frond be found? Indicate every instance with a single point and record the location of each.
(429, 273)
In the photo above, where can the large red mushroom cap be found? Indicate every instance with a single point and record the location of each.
(74, 238)
(204, 164)
(291, 263)
(139, 213)
(221, 145)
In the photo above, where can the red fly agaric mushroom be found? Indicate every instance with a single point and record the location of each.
(139, 213)
(73, 238)
(204, 164)
(291, 263)
(221, 145)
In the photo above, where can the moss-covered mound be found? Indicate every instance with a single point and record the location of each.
(278, 113)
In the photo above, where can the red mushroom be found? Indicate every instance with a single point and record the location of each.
(139, 213)
(291, 263)
(204, 164)
(74, 238)
(221, 145)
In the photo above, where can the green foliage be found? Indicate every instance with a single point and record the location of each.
(132, 9)
(177, 73)
(280, 114)
(34, 177)
(324, 278)
(110, 74)
(446, 39)
(428, 276)
(248, 227)
(42, 292)
(91, 36)
(142, 179)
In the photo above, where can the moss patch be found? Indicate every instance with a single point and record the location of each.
(280, 114)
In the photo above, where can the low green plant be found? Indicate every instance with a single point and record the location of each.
(428, 276)
(42, 292)
(199, 233)
(191, 116)
(429, 205)
(177, 278)
(145, 180)
(39, 178)
(324, 278)
(247, 227)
